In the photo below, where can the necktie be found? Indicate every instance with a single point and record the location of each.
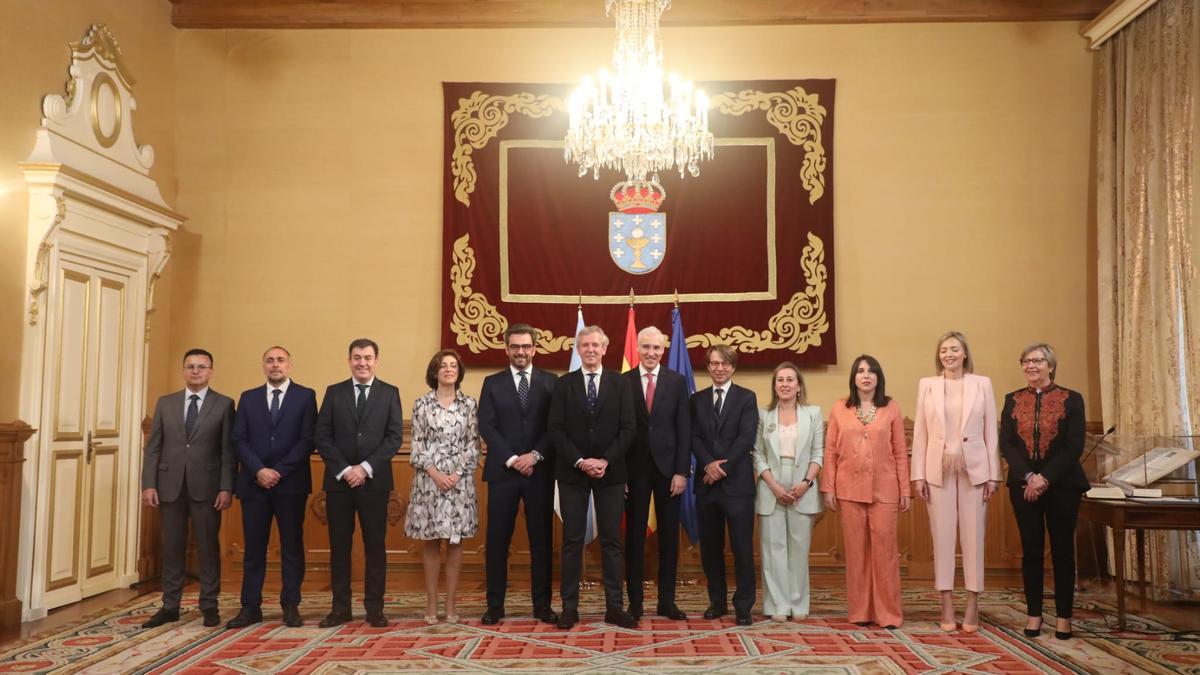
(275, 394)
(360, 401)
(193, 411)
(523, 390)
(649, 392)
(591, 391)
(720, 401)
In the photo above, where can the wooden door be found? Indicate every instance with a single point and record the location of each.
(84, 454)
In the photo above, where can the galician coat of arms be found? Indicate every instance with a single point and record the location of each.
(637, 234)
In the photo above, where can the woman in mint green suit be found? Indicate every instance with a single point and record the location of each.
(787, 458)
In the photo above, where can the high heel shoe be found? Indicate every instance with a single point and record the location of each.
(1034, 632)
(1063, 634)
(451, 618)
(948, 627)
(431, 620)
(970, 627)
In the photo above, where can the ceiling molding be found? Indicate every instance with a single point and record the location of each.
(1112, 20)
(293, 14)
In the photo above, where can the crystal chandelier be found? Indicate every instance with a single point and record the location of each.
(631, 120)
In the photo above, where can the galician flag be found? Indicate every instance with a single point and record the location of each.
(576, 363)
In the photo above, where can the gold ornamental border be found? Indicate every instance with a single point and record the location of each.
(478, 325)
(797, 115)
(799, 324)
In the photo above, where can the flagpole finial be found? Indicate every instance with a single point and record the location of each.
(631, 296)
(676, 298)
(580, 300)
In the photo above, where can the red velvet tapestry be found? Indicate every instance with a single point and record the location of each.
(745, 248)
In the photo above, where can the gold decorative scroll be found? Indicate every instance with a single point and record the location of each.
(797, 325)
(477, 324)
(798, 116)
(478, 120)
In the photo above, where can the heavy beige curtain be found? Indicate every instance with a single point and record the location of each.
(1149, 296)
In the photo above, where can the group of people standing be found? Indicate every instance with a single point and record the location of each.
(202, 451)
(621, 442)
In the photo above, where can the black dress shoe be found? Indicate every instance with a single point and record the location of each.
(635, 610)
(377, 619)
(211, 617)
(744, 619)
(619, 617)
(334, 619)
(545, 615)
(671, 612)
(492, 616)
(160, 617)
(245, 617)
(715, 612)
(567, 619)
(291, 616)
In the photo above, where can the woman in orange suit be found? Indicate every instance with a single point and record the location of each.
(866, 481)
(956, 469)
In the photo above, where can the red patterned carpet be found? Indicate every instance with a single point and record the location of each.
(114, 643)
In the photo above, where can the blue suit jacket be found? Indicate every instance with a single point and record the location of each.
(508, 430)
(284, 446)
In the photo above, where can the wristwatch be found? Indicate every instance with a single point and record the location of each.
(809, 482)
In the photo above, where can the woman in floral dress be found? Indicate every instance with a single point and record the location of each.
(445, 453)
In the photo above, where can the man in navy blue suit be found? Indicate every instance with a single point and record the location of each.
(273, 435)
(659, 462)
(724, 427)
(513, 408)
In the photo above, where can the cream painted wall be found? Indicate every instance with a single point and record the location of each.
(33, 62)
(309, 163)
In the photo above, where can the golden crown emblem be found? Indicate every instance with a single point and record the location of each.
(637, 196)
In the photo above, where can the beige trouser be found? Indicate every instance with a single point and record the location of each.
(957, 507)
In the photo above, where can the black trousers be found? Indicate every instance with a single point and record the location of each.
(206, 526)
(643, 484)
(573, 503)
(503, 499)
(371, 507)
(1057, 512)
(718, 511)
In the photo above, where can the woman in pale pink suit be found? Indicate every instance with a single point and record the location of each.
(956, 469)
(866, 480)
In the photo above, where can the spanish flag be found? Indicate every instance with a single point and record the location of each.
(629, 361)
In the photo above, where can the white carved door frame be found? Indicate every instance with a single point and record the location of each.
(91, 199)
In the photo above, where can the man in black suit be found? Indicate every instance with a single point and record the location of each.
(659, 462)
(591, 427)
(724, 425)
(187, 472)
(513, 409)
(359, 430)
(273, 436)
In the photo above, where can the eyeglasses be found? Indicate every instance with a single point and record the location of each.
(1032, 362)
(197, 366)
(521, 348)
(718, 364)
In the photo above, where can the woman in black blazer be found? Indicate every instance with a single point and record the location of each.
(1041, 436)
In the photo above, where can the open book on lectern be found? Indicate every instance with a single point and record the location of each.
(1135, 477)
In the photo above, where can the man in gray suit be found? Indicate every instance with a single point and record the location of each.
(187, 472)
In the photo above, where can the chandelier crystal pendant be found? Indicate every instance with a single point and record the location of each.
(631, 120)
